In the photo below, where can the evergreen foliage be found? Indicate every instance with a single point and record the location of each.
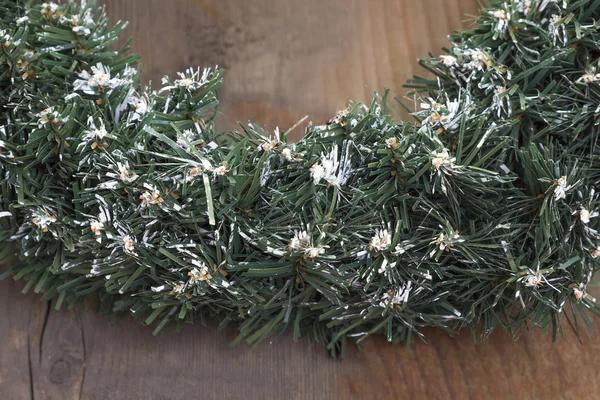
(480, 213)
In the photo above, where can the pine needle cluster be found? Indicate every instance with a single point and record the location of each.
(480, 213)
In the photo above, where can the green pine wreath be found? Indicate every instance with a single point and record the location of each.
(481, 212)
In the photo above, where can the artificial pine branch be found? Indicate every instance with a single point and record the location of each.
(480, 214)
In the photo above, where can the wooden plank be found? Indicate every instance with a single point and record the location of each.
(58, 358)
(15, 313)
(43, 354)
(287, 59)
(284, 59)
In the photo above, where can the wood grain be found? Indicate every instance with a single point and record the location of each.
(287, 59)
(283, 59)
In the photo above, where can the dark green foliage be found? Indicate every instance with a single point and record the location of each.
(480, 214)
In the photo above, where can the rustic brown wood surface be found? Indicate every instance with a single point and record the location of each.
(284, 59)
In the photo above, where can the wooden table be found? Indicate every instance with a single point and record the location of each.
(284, 59)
